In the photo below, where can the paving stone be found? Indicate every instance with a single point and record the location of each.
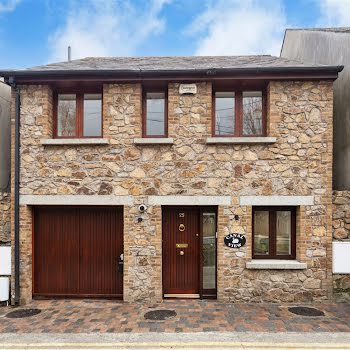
(193, 316)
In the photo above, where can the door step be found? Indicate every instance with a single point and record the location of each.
(187, 296)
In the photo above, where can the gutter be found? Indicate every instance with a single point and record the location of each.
(145, 73)
(13, 85)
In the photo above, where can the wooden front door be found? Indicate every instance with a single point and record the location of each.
(76, 251)
(181, 247)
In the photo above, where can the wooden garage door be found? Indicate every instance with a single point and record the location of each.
(76, 251)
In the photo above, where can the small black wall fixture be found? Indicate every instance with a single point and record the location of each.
(12, 83)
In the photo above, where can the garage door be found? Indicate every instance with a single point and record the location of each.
(77, 250)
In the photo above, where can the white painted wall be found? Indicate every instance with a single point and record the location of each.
(341, 257)
(5, 261)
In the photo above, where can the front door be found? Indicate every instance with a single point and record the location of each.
(186, 267)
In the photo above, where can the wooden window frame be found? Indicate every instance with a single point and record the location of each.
(79, 113)
(238, 130)
(272, 232)
(144, 113)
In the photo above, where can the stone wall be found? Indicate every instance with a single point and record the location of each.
(341, 232)
(299, 163)
(5, 218)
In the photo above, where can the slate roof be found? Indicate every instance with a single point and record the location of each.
(175, 64)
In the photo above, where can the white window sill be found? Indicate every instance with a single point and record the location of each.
(266, 264)
(154, 141)
(82, 141)
(241, 140)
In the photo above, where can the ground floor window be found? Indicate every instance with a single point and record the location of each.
(274, 232)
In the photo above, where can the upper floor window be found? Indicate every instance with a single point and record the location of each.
(155, 122)
(274, 232)
(239, 113)
(78, 115)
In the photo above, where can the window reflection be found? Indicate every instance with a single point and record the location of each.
(209, 250)
(224, 113)
(283, 232)
(92, 114)
(252, 113)
(66, 115)
(155, 118)
(261, 232)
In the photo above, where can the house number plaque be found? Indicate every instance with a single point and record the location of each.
(235, 240)
(181, 245)
(181, 227)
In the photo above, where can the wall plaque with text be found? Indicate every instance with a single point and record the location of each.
(188, 89)
(234, 240)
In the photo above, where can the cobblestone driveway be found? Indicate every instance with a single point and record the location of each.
(86, 316)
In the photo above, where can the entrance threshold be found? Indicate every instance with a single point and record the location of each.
(188, 296)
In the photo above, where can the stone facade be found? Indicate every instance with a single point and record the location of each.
(5, 218)
(299, 163)
(341, 232)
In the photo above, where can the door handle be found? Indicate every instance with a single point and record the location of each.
(182, 252)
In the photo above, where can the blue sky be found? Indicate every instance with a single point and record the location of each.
(34, 32)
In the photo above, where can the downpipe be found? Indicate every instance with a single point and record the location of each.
(13, 85)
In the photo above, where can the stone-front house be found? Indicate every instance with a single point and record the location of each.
(133, 172)
(332, 46)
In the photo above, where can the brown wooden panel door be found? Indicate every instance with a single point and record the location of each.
(56, 247)
(181, 265)
(100, 246)
(76, 251)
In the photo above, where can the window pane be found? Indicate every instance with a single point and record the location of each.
(252, 113)
(66, 115)
(283, 232)
(155, 119)
(209, 250)
(261, 232)
(224, 113)
(92, 114)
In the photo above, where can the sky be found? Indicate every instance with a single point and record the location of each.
(35, 32)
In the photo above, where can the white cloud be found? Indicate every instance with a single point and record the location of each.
(8, 5)
(334, 13)
(236, 27)
(106, 28)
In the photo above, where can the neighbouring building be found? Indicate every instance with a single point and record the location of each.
(332, 46)
(5, 138)
(155, 177)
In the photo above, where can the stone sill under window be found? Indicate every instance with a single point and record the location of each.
(267, 264)
(154, 141)
(241, 140)
(82, 141)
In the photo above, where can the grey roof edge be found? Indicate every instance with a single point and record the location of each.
(140, 72)
(284, 38)
(341, 30)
